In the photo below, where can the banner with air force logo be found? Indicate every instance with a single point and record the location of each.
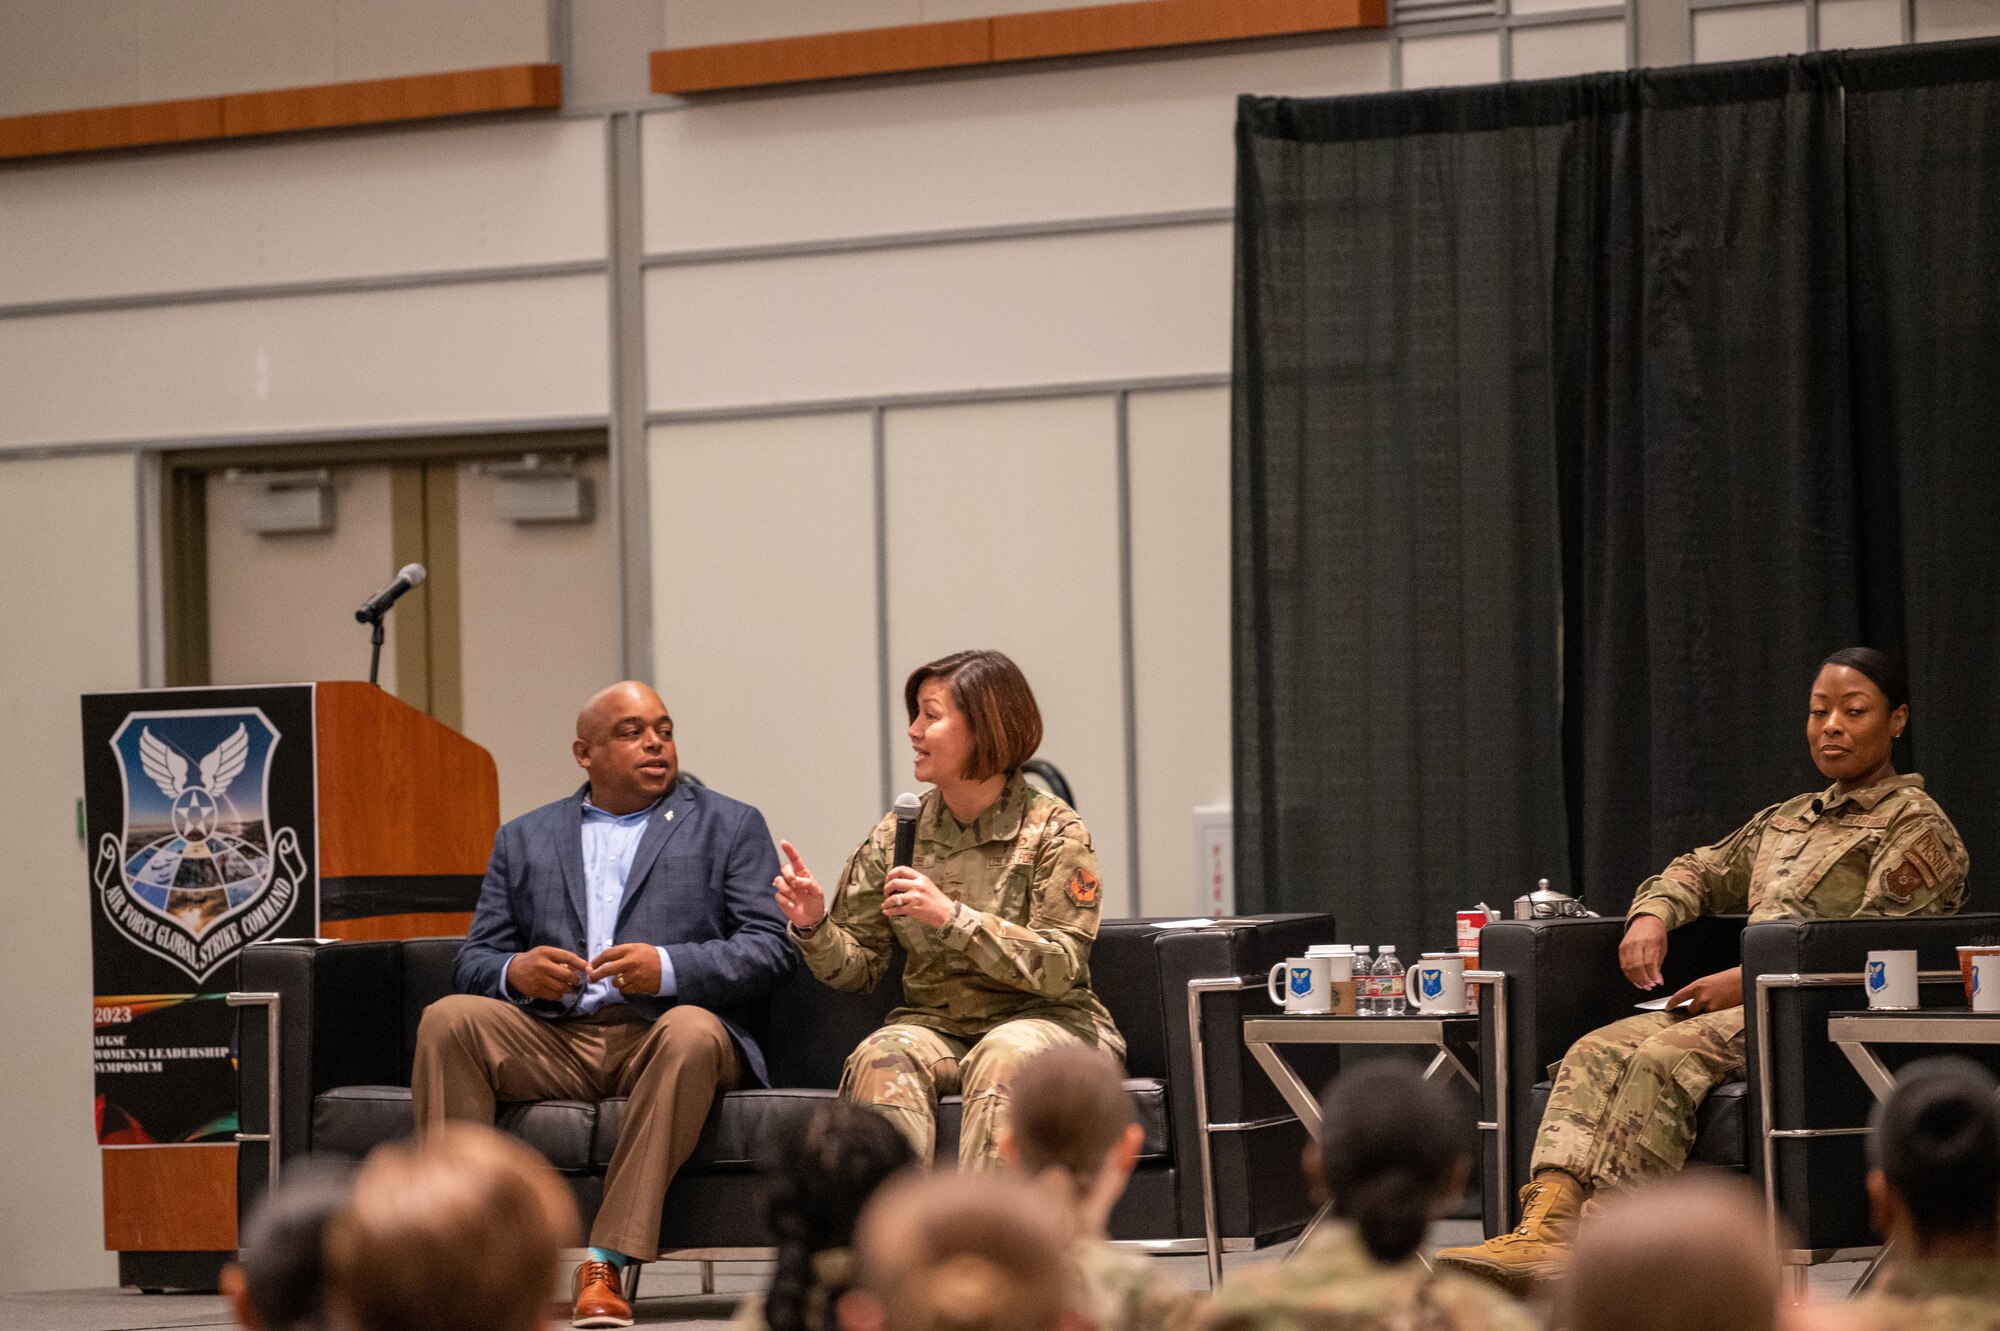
(199, 826)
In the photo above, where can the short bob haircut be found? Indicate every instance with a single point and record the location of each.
(998, 705)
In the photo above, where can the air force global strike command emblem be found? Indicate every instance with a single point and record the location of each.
(198, 872)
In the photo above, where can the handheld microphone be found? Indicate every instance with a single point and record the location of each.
(906, 829)
(376, 606)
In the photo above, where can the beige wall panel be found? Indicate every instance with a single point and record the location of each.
(1439, 62)
(470, 354)
(1952, 20)
(1044, 310)
(538, 633)
(1747, 34)
(1568, 48)
(381, 39)
(68, 538)
(281, 608)
(56, 57)
(764, 620)
(607, 39)
(1859, 23)
(1051, 142)
(1027, 564)
(303, 209)
(707, 22)
(1548, 6)
(1179, 466)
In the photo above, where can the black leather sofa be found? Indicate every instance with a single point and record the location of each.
(1563, 981)
(348, 1012)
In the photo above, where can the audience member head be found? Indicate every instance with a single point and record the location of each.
(961, 1252)
(279, 1283)
(1934, 1161)
(1393, 1155)
(458, 1233)
(1689, 1254)
(819, 1182)
(989, 723)
(1071, 1122)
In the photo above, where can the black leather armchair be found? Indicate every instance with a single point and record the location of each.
(347, 1016)
(1563, 981)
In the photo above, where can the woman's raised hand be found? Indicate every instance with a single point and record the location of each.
(799, 894)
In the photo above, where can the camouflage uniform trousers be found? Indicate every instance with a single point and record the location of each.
(1625, 1096)
(902, 1069)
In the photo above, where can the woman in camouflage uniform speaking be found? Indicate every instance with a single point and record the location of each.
(996, 914)
(1871, 845)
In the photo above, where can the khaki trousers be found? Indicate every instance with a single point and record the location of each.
(473, 1052)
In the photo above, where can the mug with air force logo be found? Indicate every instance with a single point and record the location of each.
(1891, 980)
(1302, 984)
(1438, 983)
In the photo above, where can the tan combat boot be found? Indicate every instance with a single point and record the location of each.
(1533, 1251)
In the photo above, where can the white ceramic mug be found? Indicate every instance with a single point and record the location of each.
(1437, 983)
(1300, 984)
(1986, 982)
(1891, 980)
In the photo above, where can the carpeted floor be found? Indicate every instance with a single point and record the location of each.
(669, 1295)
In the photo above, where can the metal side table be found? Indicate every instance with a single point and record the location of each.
(1854, 1032)
(1453, 1036)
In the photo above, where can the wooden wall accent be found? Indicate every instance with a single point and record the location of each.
(399, 793)
(833, 55)
(169, 1198)
(1044, 34)
(1133, 27)
(374, 102)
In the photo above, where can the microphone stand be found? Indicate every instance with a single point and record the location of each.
(374, 647)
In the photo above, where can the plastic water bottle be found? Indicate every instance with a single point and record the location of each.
(1364, 982)
(1391, 1001)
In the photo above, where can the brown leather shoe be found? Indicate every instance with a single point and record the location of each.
(599, 1299)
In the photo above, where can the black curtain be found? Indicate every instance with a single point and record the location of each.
(1574, 423)
(1709, 501)
(1395, 537)
(1923, 207)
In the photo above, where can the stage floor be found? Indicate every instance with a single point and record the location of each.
(669, 1295)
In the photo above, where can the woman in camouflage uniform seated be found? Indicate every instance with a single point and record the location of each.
(1871, 845)
(996, 914)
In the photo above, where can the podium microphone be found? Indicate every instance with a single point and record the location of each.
(408, 577)
(906, 829)
(376, 606)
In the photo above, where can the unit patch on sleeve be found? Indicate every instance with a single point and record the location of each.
(1083, 890)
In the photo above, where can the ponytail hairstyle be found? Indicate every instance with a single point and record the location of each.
(817, 1185)
(1392, 1147)
(960, 1252)
(1936, 1140)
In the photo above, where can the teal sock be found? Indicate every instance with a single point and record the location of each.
(617, 1259)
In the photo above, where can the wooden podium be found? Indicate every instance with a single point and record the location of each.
(217, 817)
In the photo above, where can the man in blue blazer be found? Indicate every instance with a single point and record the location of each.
(621, 938)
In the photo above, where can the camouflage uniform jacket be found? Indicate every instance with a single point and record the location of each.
(1883, 850)
(1933, 1296)
(1332, 1284)
(1127, 1292)
(1018, 945)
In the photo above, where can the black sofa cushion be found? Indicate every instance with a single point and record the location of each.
(350, 1121)
(1721, 1125)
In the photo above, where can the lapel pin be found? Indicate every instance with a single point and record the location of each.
(669, 815)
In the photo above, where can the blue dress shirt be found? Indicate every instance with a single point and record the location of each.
(610, 840)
